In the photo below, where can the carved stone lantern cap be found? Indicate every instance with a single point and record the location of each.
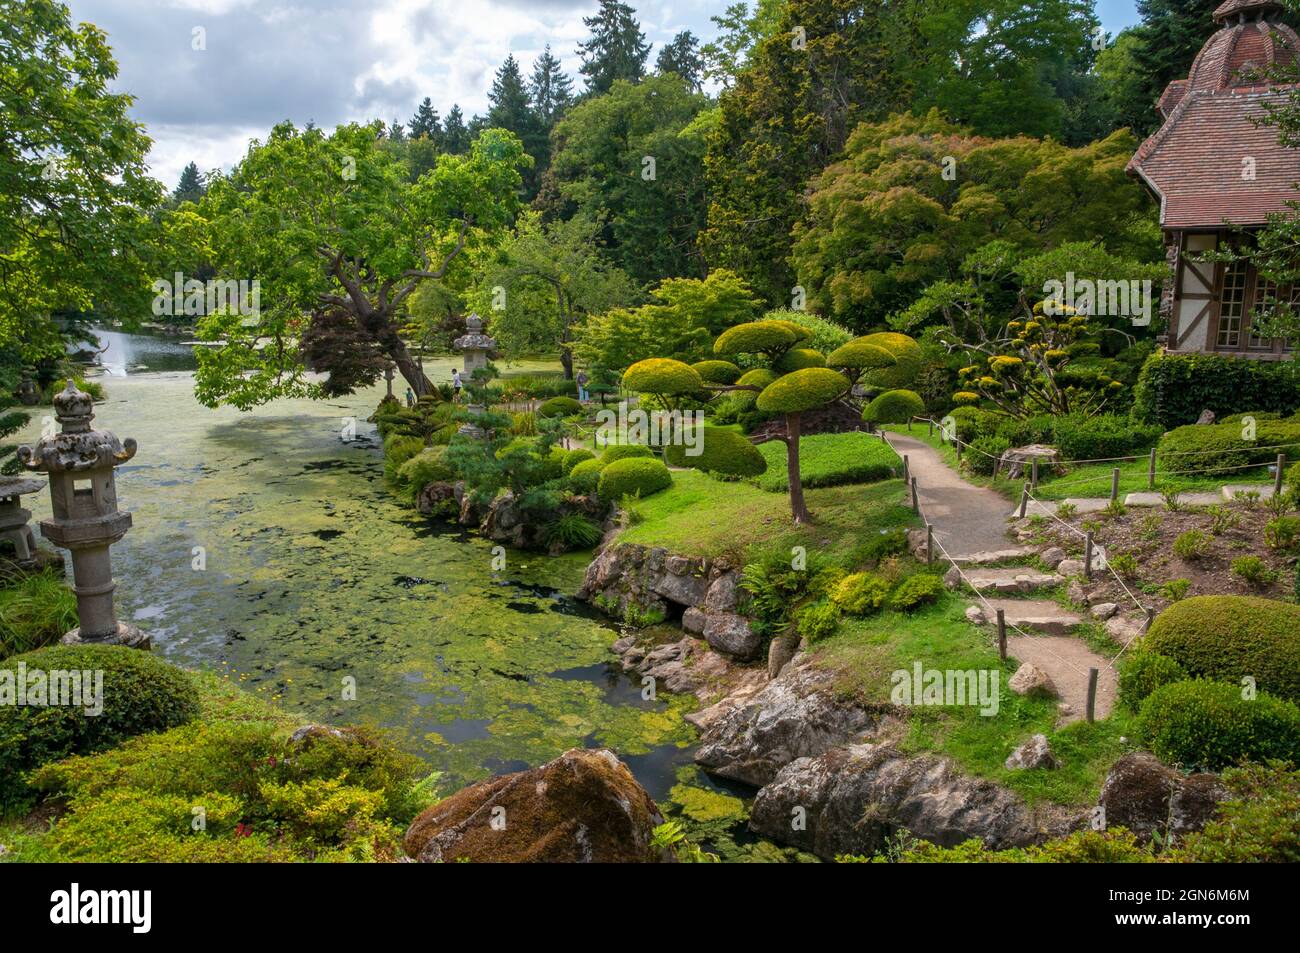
(77, 447)
(474, 338)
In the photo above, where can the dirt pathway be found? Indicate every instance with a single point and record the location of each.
(969, 519)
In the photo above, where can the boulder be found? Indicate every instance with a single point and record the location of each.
(731, 633)
(952, 578)
(723, 593)
(976, 615)
(1052, 556)
(1077, 594)
(853, 799)
(1032, 681)
(683, 590)
(1103, 610)
(1070, 567)
(780, 651)
(1144, 795)
(693, 620)
(796, 715)
(438, 499)
(1034, 753)
(1207, 417)
(583, 807)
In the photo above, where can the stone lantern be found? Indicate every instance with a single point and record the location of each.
(13, 518)
(476, 346)
(86, 520)
(389, 373)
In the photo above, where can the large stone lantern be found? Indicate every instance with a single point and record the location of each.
(475, 346)
(86, 520)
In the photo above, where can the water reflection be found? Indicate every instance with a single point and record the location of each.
(122, 354)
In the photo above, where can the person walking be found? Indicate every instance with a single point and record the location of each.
(410, 397)
(456, 383)
(582, 386)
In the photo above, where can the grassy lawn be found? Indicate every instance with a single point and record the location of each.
(702, 516)
(1092, 481)
(864, 653)
(832, 459)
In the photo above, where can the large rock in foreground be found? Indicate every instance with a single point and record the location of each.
(1146, 796)
(851, 800)
(583, 807)
(797, 715)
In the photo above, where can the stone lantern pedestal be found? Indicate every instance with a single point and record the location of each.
(14, 519)
(475, 346)
(86, 521)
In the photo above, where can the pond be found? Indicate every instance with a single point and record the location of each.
(265, 546)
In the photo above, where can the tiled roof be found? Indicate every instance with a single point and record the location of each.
(1197, 163)
(1229, 7)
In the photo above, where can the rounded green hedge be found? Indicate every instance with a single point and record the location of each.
(662, 375)
(860, 354)
(908, 360)
(717, 372)
(141, 694)
(797, 358)
(1143, 673)
(559, 407)
(916, 591)
(1228, 637)
(572, 458)
(721, 451)
(1209, 725)
(756, 337)
(640, 476)
(802, 390)
(894, 407)
(621, 451)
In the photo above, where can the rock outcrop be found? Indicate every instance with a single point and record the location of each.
(1145, 796)
(853, 799)
(583, 807)
(797, 715)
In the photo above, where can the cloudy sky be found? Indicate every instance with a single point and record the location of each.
(331, 61)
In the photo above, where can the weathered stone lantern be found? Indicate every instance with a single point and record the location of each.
(13, 518)
(86, 520)
(476, 346)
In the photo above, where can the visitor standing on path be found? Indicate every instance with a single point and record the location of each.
(455, 383)
(582, 386)
(410, 397)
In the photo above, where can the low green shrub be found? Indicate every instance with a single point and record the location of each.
(35, 611)
(894, 407)
(559, 407)
(1283, 533)
(1113, 846)
(1209, 725)
(573, 531)
(573, 457)
(974, 422)
(1228, 638)
(829, 459)
(1219, 449)
(861, 593)
(724, 452)
(1255, 572)
(916, 591)
(140, 693)
(399, 448)
(1102, 437)
(621, 451)
(587, 468)
(640, 476)
(427, 466)
(1259, 823)
(985, 453)
(1145, 671)
(1193, 544)
(818, 621)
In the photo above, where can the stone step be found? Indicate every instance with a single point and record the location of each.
(1048, 507)
(1232, 490)
(1008, 579)
(995, 556)
(1186, 499)
(1031, 615)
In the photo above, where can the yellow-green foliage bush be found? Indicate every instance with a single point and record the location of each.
(907, 355)
(587, 468)
(894, 407)
(633, 476)
(399, 448)
(861, 593)
(140, 693)
(798, 358)
(427, 466)
(1145, 671)
(757, 337)
(717, 372)
(916, 591)
(664, 376)
(1259, 823)
(1210, 725)
(1227, 638)
(802, 390)
(721, 451)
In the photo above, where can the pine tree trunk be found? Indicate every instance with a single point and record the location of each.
(798, 509)
(409, 369)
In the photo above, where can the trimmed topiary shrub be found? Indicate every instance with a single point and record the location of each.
(802, 390)
(859, 354)
(861, 593)
(721, 451)
(1230, 637)
(908, 360)
(663, 376)
(717, 372)
(622, 451)
(756, 337)
(916, 591)
(639, 476)
(573, 457)
(586, 468)
(797, 358)
(140, 693)
(1102, 437)
(559, 407)
(1143, 673)
(1209, 725)
(894, 407)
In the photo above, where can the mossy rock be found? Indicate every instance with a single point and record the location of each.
(721, 451)
(140, 693)
(559, 407)
(802, 390)
(635, 476)
(662, 375)
(1228, 638)
(908, 359)
(717, 372)
(894, 407)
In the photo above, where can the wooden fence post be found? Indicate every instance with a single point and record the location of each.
(916, 505)
(1114, 484)
(1151, 471)
(1277, 479)
(929, 543)
(1024, 500)
(1092, 694)
(1002, 634)
(1151, 617)
(930, 421)
(907, 470)
(1033, 480)
(1087, 556)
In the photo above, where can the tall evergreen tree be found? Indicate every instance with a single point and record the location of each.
(425, 121)
(455, 137)
(510, 108)
(190, 188)
(551, 89)
(682, 56)
(396, 131)
(617, 48)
